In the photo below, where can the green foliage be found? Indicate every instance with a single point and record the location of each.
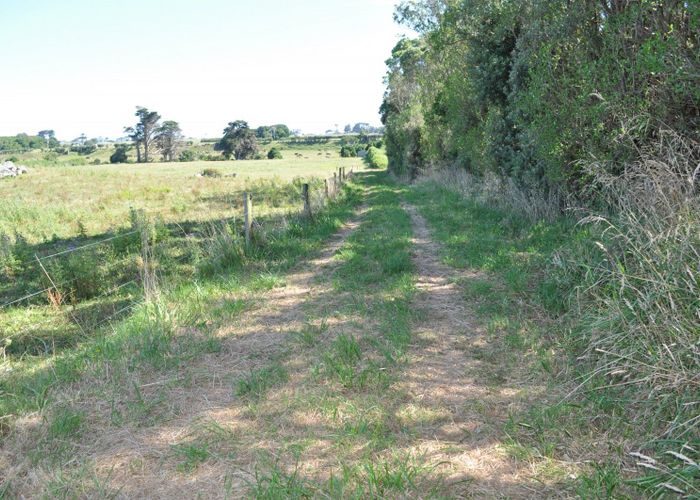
(167, 138)
(274, 154)
(272, 132)
(350, 150)
(376, 158)
(120, 154)
(23, 142)
(84, 147)
(239, 141)
(526, 89)
(187, 155)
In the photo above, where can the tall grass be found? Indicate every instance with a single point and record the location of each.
(491, 190)
(641, 300)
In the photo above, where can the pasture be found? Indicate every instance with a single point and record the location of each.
(71, 238)
(66, 201)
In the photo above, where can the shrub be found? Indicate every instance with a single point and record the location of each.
(211, 172)
(187, 155)
(274, 154)
(376, 158)
(119, 155)
(348, 151)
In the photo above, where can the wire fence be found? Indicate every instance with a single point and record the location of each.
(67, 303)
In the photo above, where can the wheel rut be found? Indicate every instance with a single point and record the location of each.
(450, 383)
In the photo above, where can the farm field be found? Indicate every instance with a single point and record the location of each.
(69, 200)
(71, 237)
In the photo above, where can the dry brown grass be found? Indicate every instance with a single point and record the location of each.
(491, 190)
(640, 301)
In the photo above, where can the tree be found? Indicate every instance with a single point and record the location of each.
(238, 141)
(134, 134)
(348, 128)
(143, 134)
(280, 131)
(361, 127)
(83, 146)
(119, 155)
(49, 136)
(263, 132)
(168, 137)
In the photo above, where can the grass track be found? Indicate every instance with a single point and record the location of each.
(323, 379)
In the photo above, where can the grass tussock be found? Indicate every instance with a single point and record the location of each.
(641, 300)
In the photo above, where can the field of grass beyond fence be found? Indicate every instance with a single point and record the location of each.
(58, 292)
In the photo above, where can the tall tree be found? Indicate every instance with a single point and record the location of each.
(238, 141)
(49, 136)
(143, 134)
(167, 138)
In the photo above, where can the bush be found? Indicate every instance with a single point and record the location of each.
(96, 161)
(120, 154)
(348, 151)
(274, 154)
(213, 158)
(187, 155)
(376, 158)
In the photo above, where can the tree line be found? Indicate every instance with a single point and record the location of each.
(239, 140)
(532, 89)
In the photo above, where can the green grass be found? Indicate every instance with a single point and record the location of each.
(257, 383)
(522, 297)
(65, 423)
(191, 456)
(148, 337)
(63, 201)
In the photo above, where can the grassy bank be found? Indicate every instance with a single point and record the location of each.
(574, 303)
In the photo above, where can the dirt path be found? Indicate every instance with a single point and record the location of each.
(453, 381)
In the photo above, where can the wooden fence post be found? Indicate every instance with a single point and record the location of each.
(344, 176)
(325, 185)
(335, 183)
(307, 201)
(340, 175)
(247, 217)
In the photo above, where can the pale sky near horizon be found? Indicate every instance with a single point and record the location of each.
(81, 66)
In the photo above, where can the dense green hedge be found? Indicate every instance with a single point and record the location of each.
(376, 158)
(531, 88)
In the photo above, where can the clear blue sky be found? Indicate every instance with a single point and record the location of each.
(84, 65)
